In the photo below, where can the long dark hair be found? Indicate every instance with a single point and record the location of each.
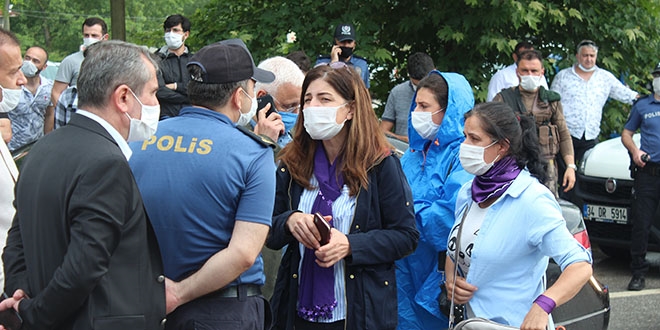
(500, 122)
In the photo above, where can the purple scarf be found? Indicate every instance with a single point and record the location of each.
(496, 181)
(316, 293)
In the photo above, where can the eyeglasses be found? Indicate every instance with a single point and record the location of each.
(587, 43)
(289, 107)
(334, 65)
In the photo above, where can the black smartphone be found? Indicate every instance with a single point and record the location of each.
(323, 227)
(9, 318)
(266, 99)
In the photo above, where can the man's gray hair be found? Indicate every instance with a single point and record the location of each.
(586, 43)
(285, 70)
(108, 65)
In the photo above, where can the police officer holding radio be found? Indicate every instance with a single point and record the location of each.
(645, 116)
(342, 50)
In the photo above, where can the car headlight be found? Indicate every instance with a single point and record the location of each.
(583, 162)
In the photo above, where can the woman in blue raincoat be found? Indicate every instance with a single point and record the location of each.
(435, 175)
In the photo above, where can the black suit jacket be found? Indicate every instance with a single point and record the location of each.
(81, 244)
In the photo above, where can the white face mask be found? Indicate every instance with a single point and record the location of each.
(321, 122)
(472, 158)
(530, 83)
(656, 86)
(10, 98)
(585, 69)
(29, 69)
(144, 128)
(423, 123)
(90, 41)
(245, 118)
(173, 40)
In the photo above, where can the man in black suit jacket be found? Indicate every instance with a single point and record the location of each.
(81, 252)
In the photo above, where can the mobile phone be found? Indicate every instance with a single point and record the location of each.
(323, 227)
(266, 99)
(9, 318)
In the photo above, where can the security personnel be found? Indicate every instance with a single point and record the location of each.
(645, 116)
(343, 49)
(209, 187)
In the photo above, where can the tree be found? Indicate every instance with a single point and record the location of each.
(56, 24)
(472, 37)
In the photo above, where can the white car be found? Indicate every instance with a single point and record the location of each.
(604, 193)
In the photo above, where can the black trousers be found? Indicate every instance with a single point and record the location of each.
(215, 311)
(646, 201)
(580, 146)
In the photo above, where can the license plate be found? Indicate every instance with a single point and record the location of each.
(603, 213)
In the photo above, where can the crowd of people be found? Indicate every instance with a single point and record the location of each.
(192, 187)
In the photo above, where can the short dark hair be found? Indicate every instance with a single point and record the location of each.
(301, 59)
(419, 65)
(529, 55)
(209, 95)
(43, 49)
(522, 45)
(95, 21)
(7, 37)
(438, 86)
(174, 20)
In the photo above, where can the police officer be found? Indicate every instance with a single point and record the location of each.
(209, 188)
(342, 50)
(645, 116)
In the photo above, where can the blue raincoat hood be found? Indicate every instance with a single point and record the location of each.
(460, 100)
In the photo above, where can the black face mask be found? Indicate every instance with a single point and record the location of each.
(346, 52)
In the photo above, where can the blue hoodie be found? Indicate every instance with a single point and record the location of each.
(435, 176)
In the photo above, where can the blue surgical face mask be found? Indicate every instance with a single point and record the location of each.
(289, 120)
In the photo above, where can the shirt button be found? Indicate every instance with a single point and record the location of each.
(357, 226)
(295, 275)
(407, 203)
(387, 283)
(161, 278)
(162, 323)
(351, 276)
(282, 169)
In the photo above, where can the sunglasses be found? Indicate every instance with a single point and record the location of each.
(334, 65)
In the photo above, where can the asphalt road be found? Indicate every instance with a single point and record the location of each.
(631, 310)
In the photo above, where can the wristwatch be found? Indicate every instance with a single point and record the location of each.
(573, 166)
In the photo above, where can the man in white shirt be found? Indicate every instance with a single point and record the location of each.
(507, 77)
(584, 89)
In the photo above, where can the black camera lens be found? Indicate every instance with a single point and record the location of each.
(646, 158)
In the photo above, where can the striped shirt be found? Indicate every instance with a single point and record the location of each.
(343, 210)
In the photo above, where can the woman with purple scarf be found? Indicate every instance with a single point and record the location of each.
(508, 225)
(340, 165)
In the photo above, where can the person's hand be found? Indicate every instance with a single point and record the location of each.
(536, 319)
(334, 53)
(463, 292)
(331, 253)
(271, 126)
(13, 301)
(172, 299)
(569, 179)
(302, 227)
(637, 158)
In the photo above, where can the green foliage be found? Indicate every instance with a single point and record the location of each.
(56, 24)
(472, 37)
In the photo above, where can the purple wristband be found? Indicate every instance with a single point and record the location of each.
(546, 304)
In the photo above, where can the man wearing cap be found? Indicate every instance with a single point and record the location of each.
(342, 50)
(209, 188)
(645, 116)
(584, 89)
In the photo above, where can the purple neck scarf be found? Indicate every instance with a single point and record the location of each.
(316, 293)
(496, 181)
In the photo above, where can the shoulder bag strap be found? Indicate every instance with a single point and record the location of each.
(458, 251)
